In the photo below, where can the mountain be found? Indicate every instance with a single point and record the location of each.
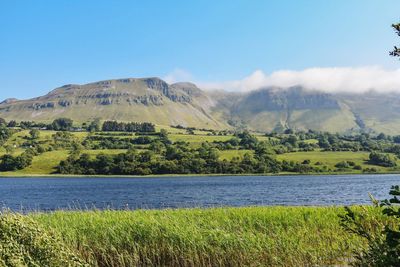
(266, 109)
(276, 109)
(148, 99)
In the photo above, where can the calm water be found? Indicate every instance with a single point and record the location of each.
(121, 193)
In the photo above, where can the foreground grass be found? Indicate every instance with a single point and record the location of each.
(253, 236)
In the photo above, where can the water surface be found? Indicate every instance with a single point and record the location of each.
(202, 191)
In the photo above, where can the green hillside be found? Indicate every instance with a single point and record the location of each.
(140, 100)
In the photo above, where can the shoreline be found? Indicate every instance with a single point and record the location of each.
(187, 175)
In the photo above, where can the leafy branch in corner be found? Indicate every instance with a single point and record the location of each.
(396, 50)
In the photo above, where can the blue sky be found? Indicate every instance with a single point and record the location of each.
(45, 44)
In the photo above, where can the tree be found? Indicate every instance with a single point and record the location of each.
(381, 159)
(94, 126)
(164, 136)
(396, 50)
(34, 133)
(62, 124)
(12, 124)
(76, 149)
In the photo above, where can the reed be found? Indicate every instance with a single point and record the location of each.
(251, 236)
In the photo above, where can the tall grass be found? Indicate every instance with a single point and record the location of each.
(254, 236)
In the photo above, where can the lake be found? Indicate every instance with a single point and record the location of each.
(26, 194)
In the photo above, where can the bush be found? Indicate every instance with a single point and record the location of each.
(357, 167)
(13, 163)
(381, 160)
(24, 243)
(370, 170)
(342, 165)
(381, 231)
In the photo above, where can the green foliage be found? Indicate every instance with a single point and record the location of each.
(11, 163)
(266, 154)
(62, 124)
(63, 140)
(12, 124)
(34, 133)
(113, 126)
(247, 140)
(345, 164)
(94, 126)
(178, 158)
(396, 51)
(23, 242)
(381, 159)
(382, 234)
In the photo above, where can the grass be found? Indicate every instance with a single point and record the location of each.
(196, 140)
(329, 158)
(252, 236)
(43, 164)
(47, 162)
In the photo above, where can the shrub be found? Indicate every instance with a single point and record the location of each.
(381, 231)
(13, 163)
(370, 170)
(342, 165)
(24, 243)
(381, 159)
(357, 167)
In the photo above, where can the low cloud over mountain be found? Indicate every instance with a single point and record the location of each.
(331, 80)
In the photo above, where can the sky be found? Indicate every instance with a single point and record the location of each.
(228, 44)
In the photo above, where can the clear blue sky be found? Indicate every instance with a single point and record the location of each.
(45, 44)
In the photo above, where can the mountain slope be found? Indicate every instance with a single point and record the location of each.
(276, 109)
(266, 109)
(149, 99)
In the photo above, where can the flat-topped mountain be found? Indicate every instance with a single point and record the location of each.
(266, 109)
(148, 99)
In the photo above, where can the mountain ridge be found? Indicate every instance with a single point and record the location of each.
(266, 109)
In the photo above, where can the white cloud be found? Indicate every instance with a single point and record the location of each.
(178, 75)
(340, 79)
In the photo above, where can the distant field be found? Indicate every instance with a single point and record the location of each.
(330, 158)
(196, 140)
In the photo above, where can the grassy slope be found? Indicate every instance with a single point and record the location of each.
(329, 158)
(196, 140)
(253, 236)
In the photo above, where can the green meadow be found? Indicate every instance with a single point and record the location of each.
(331, 158)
